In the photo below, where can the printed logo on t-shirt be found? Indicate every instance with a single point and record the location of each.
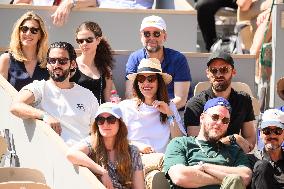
(81, 107)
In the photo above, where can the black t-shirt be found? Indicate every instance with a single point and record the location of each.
(242, 110)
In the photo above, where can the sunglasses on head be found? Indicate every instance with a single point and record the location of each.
(87, 40)
(216, 117)
(110, 120)
(61, 61)
(222, 70)
(268, 131)
(150, 78)
(25, 29)
(155, 34)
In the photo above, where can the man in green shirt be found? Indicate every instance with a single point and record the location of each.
(203, 161)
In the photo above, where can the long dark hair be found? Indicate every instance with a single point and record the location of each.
(162, 94)
(103, 59)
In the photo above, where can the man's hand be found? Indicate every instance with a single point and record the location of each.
(61, 15)
(243, 143)
(53, 123)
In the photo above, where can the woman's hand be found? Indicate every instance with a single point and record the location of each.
(106, 180)
(162, 107)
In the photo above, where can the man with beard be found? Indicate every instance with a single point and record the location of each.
(203, 161)
(153, 36)
(66, 107)
(268, 171)
(220, 72)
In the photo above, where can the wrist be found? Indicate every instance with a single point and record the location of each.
(232, 139)
(44, 117)
(171, 118)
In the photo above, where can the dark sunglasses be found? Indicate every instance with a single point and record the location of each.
(25, 29)
(216, 117)
(61, 61)
(222, 70)
(88, 40)
(155, 34)
(110, 120)
(268, 131)
(150, 78)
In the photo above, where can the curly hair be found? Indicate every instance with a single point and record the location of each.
(162, 94)
(121, 147)
(104, 58)
(15, 43)
(64, 45)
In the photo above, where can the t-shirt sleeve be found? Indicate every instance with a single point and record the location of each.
(250, 113)
(182, 69)
(131, 65)
(136, 158)
(36, 87)
(175, 153)
(194, 108)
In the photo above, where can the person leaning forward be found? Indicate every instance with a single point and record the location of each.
(220, 71)
(203, 161)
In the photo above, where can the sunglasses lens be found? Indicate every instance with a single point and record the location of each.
(147, 34)
(157, 34)
(214, 71)
(141, 78)
(100, 120)
(152, 78)
(88, 40)
(34, 30)
(111, 119)
(215, 117)
(61, 61)
(223, 70)
(225, 120)
(24, 29)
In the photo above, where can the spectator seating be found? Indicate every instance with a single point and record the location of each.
(3, 146)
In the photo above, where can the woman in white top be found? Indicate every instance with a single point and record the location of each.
(151, 118)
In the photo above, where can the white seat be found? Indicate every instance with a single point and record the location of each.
(23, 185)
(8, 174)
(238, 86)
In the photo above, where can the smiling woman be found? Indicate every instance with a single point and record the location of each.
(25, 61)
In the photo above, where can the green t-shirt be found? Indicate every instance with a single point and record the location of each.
(186, 151)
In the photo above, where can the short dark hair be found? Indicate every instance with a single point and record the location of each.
(64, 45)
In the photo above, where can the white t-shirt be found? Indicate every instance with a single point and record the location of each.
(130, 4)
(75, 108)
(144, 125)
(43, 2)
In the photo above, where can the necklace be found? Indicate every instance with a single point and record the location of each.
(204, 152)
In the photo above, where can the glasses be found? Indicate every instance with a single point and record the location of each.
(216, 117)
(87, 40)
(155, 34)
(110, 120)
(25, 29)
(268, 131)
(222, 70)
(150, 78)
(61, 61)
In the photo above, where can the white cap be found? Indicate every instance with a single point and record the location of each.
(153, 21)
(272, 117)
(111, 108)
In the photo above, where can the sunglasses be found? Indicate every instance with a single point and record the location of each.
(155, 34)
(216, 117)
(222, 70)
(61, 61)
(87, 40)
(110, 120)
(25, 29)
(268, 131)
(150, 78)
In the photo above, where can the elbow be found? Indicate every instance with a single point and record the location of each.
(14, 109)
(70, 155)
(247, 177)
(178, 177)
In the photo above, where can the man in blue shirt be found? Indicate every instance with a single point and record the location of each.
(153, 36)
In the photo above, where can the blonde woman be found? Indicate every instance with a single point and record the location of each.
(107, 152)
(26, 59)
(95, 63)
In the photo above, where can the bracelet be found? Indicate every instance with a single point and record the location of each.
(44, 117)
(171, 119)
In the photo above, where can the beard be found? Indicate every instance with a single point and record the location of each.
(222, 85)
(57, 77)
(212, 137)
(153, 49)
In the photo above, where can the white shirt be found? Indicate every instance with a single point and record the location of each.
(43, 2)
(75, 108)
(131, 4)
(144, 125)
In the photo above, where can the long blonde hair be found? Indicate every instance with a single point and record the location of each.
(42, 45)
(122, 151)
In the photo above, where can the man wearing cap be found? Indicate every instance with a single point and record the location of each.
(268, 171)
(66, 107)
(203, 161)
(220, 72)
(153, 36)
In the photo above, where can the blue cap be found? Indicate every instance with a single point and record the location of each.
(219, 101)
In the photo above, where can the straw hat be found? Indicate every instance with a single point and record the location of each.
(150, 65)
(280, 88)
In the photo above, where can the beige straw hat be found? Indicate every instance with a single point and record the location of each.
(150, 65)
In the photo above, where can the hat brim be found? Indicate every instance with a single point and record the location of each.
(151, 25)
(280, 88)
(265, 124)
(166, 77)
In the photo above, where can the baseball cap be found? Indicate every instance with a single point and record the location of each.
(153, 21)
(111, 108)
(221, 55)
(272, 117)
(219, 101)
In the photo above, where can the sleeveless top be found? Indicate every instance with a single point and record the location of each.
(97, 86)
(19, 77)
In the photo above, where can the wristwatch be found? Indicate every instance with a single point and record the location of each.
(232, 139)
